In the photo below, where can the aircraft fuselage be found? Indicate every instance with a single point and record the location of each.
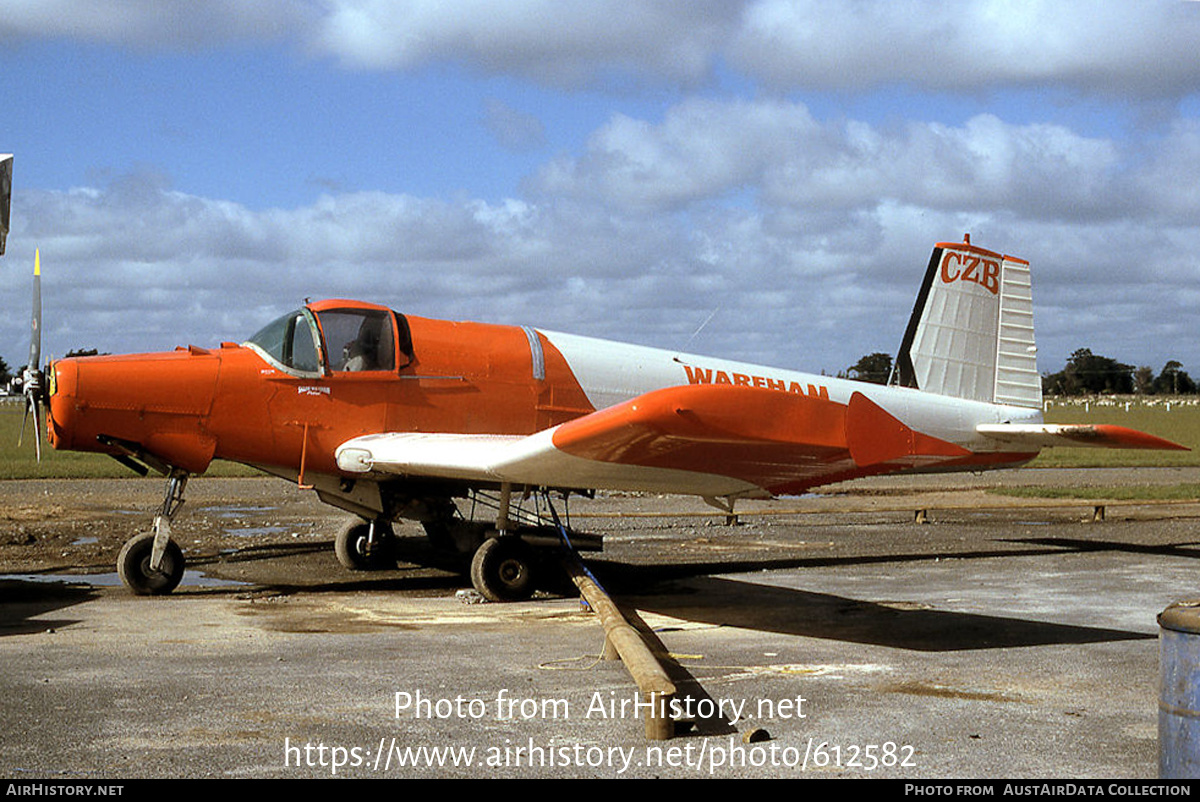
(192, 405)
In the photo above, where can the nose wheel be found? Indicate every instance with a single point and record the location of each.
(365, 545)
(134, 566)
(151, 564)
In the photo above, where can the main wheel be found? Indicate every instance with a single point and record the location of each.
(503, 569)
(355, 551)
(133, 566)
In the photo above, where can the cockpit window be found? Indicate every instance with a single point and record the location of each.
(291, 342)
(350, 339)
(359, 339)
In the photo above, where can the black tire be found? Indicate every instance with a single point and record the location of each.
(350, 545)
(503, 569)
(133, 566)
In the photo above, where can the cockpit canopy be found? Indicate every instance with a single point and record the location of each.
(332, 337)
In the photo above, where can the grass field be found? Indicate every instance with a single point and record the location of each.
(1178, 421)
(1184, 491)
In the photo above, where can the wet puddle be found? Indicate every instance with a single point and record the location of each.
(255, 531)
(110, 580)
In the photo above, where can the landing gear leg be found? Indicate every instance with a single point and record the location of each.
(151, 564)
(503, 568)
(512, 554)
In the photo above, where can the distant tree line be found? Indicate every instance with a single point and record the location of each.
(1091, 374)
(1084, 374)
(875, 368)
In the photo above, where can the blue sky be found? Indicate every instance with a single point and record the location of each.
(619, 169)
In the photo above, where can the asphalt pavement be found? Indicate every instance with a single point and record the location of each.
(1012, 643)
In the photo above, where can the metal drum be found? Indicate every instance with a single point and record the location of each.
(1179, 691)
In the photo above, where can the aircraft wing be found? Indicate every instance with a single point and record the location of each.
(707, 440)
(1049, 435)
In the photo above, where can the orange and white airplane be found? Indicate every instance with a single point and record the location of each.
(393, 416)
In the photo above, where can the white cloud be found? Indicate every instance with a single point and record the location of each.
(809, 237)
(1135, 48)
(151, 24)
(704, 150)
(1141, 49)
(809, 234)
(555, 41)
(1166, 179)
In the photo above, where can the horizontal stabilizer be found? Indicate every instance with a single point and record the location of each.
(1048, 435)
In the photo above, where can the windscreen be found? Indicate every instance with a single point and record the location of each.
(290, 341)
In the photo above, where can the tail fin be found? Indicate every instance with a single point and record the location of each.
(971, 331)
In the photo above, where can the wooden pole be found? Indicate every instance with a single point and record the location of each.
(643, 666)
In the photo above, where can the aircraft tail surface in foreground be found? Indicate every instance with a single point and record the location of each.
(968, 398)
(6, 162)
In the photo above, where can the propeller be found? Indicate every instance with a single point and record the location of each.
(32, 380)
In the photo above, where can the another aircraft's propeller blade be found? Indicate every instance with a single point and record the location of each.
(24, 420)
(35, 334)
(6, 165)
(36, 406)
(31, 377)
